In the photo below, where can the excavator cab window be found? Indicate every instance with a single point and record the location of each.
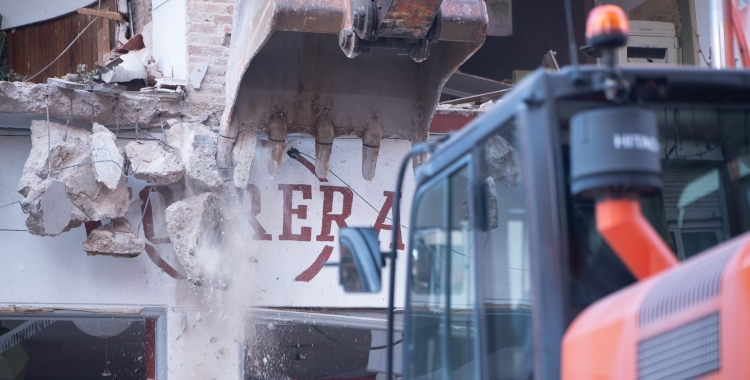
(705, 199)
(442, 294)
(469, 267)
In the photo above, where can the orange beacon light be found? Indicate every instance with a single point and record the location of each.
(607, 27)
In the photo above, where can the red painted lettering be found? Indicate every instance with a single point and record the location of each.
(380, 221)
(328, 217)
(301, 212)
(260, 232)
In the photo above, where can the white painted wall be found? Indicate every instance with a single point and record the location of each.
(22, 12)
(55, 272)
(703, 20)
(169, 19)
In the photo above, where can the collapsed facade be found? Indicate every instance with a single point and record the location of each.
(208, 213)
(197, 202)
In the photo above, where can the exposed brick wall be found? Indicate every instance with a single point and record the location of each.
(209, 25)
(141, 14)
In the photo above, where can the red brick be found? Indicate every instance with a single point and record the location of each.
(223, 19)
(216, 71)
(210, 7)
(204, 39)
(205, 50)
(198, 16)
(202, 27)
(212, 88)
(198, 59)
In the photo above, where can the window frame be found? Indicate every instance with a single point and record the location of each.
(465, 161)
(158, 314)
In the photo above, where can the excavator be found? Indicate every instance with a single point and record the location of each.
(591, 225)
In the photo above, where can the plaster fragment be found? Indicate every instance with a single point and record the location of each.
(106, 157)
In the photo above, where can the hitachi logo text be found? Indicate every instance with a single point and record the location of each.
(635, 141)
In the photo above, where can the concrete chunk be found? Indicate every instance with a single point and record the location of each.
(114, 239)
(197, 146)
(68, 160)
(194, 226)
(242, 157)
(106, 157)
(149, 161)
(196, 76)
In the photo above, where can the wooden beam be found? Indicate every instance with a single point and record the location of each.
(105, 14)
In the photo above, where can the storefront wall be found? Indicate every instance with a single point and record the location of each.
(200, 330)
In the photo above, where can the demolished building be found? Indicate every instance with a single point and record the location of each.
(194, 190)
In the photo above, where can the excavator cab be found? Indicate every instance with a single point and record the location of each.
(593, 224)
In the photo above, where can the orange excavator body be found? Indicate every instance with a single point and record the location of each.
(687, 322)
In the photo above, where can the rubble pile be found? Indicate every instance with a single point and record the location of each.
(129, 67)
(74, 176)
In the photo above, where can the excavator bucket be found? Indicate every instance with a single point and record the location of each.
(330, 68)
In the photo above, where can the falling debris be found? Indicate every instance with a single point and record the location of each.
(134, 43)
(106, 156)
(70, 156)
(125, 68)
(194, 226)
(114, 239)
(197, 146)
(150, 161)
(242, 157)
(196, 76)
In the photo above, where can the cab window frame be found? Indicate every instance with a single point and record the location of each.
(442, 178)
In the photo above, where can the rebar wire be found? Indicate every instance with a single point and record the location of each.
(70, 110)
(49, 137)
(19, 203)
(137, 129)
(138, 111)
(71, 43)
(143, 214)
(334, 340)
(347, 185)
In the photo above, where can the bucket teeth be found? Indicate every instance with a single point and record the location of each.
(370, 149)
(324, 132)
(277, 131)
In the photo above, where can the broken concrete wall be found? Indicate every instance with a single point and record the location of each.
(133, 108)
(64, 154)
(197, 147)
